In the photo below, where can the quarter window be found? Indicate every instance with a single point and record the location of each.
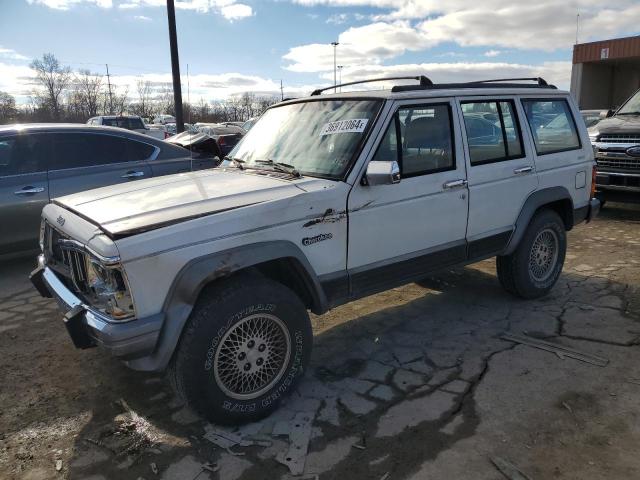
(425, 140)
(552, 125)
(493, 131)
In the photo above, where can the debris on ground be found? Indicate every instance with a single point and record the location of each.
(508, 469)
(385, 476)
(299, 436)
(211, 467)
(154, 468)
(58, 465)
(560, 350)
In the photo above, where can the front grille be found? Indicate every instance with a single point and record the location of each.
(65, 257)
(619, 138)
(622, 162)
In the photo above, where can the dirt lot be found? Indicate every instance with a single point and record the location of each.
(415, 383)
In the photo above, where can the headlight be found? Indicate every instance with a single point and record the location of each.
(108, 290)
(593, 135)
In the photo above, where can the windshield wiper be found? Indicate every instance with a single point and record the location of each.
(281, 167)
(237, 161)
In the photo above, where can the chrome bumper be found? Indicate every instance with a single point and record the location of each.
(89, 328)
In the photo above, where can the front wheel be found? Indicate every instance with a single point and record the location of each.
(246, 345)
(535, 265)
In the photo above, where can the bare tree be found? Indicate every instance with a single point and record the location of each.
(145, 104)
(54, 79)
(164, 100)
(88, 87)
(120, 100)
(8, 110)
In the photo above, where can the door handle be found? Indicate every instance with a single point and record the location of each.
(519, 171)
(29, 191)
(455, 184)
(132, 174)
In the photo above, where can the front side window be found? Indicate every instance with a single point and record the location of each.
(493, 132)
(425, 143)
(552, 125)
(318, 138)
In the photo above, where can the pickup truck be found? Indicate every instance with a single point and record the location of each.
(130, 122)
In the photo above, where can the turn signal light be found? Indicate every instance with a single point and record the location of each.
(594, 172)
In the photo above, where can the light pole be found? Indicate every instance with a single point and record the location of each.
(335, 45)
(340, 76)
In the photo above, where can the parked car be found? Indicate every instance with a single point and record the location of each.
(41, 162)
(163, 119)
(616, 142)
(592, 117)
(129, 122)
(246, 126)
(235, 124)
(327, 199)
(211, 140)
(172, 129)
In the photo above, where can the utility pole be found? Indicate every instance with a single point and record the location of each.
(340, 76)
(281, 91)
(577, 26)
(335, 45)
(110, 95)
(175, 65)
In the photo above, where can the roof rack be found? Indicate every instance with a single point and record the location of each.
(494, 83)
(424, 83)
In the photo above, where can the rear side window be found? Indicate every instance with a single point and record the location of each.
(24, 154)
(493, 131)
(74, 150)
(135, 124)
(552, 125)
(420, 139)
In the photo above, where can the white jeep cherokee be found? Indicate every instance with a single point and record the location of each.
(327, 199)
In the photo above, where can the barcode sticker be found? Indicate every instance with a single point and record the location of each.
(354, 125)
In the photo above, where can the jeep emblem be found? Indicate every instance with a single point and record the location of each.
(60, 220)
(633, 151)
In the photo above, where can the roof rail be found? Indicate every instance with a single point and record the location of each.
(424, 83)
(496, 83)
(539, 80)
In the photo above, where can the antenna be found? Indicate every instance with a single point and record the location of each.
(281, 91)
(190, 133)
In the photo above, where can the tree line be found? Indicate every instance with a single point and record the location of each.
(62, 95)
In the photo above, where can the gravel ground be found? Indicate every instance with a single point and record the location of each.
(413, 383)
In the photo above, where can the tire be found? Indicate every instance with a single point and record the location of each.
(250, 324)
(535, 265)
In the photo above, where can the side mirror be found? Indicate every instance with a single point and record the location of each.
(382, 173)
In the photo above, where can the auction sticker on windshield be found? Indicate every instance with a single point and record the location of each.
(353, 125)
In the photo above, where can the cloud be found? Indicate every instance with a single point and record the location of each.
(338, 18)
(542, 25)
(236, 11)
(492, 53)
(67, 4)
(229, 9)
(142, 18)
(11, 54)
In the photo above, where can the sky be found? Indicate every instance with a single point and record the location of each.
(235, 46)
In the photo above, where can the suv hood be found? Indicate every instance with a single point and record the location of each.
(126, 209)
(622, 124)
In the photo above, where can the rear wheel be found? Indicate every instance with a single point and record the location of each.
(243, 350)
(535, 266)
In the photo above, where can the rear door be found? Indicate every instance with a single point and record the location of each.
(86, 160)
(23, 190)
(501, 170)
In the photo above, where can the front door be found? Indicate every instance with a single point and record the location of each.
(501, 171)
(399, 232)
(23, 191)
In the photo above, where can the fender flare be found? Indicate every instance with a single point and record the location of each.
(197, 273)
(533, 202)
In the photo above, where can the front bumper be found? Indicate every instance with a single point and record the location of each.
(618, 181)
(89, 328)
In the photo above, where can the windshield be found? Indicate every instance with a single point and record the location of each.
(315, 137)
(632, 105)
